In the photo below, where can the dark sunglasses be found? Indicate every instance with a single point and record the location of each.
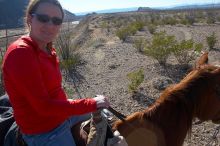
(43, 18)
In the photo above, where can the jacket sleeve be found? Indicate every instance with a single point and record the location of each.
(21, 66)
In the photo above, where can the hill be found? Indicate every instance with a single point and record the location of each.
(12, 13)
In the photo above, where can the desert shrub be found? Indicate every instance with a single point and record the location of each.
(211, 20)
(161, 47)
(218, 18)
(136, 78)
(211, 40)
(138, 25)
(198, 47)
(123, 33)
(70, 63)
(139, 44)
(131, 29)
(169, 21)
(68, 60)
(104, 24)
(186, 51)
(152, 28)
(181, 49)
(199, 15)
(155, 19)
(190, 19)
(183, 21)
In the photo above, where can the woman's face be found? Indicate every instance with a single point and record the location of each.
(45, 32)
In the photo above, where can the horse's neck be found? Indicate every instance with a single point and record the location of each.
(173, 117)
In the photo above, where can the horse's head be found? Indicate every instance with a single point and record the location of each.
(207, 84)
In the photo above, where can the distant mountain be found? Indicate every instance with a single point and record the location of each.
(110, 11)
(202, 6)
(142, 9)
(181, 7)
(12, 13)
(69, 16)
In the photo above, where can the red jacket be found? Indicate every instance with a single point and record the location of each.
(33, 82)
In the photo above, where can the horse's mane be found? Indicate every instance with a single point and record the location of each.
(182, 95)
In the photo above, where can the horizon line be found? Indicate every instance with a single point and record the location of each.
(160, 7)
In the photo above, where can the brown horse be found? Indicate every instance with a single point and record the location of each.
(168, 120)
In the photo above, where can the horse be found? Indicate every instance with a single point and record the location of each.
(168, 120)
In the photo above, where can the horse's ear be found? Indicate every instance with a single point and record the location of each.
(202, 60)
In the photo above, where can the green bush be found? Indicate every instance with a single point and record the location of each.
(181, 49)
(161, 47)
(69, 63)
(190, 20)
(104, 24)
(68, 60)
(152, 28)
(198, 47)
(211, 40)
(123, 33)
(183, 21)
(186, 51)
(211, 20)
(139, 44)
(218, 18)
(136, 78)
(138, 25)
(169, 21)
(131, 29)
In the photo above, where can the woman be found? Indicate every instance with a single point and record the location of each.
(33, 81)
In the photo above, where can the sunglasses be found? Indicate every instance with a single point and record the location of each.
(43, 18)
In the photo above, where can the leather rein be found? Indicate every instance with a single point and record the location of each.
(116, 113)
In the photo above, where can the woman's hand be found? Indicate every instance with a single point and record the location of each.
(101, 101)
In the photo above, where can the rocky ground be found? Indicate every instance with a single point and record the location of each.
(106, 61)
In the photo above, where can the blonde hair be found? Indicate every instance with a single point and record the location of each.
(33, 5)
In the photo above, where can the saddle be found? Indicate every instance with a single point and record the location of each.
(93, 132)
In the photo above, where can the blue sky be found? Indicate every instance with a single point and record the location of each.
(76, 6)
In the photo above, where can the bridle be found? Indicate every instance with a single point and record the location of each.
(116, 113)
